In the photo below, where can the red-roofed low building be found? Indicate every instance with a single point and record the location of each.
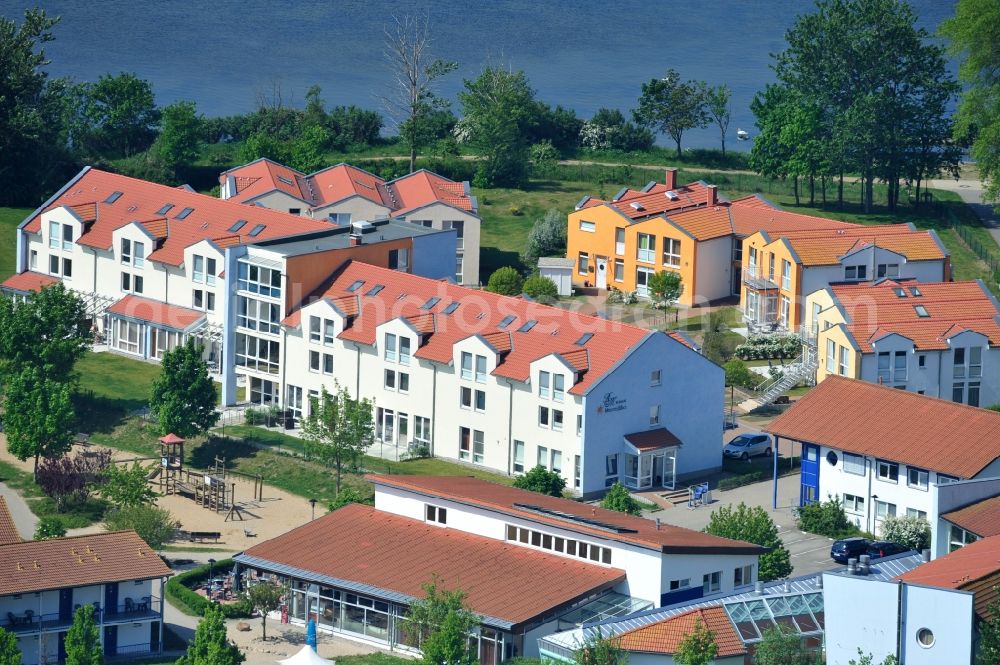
(343, 194)
(528, 563)
(687, 229)
(504, 383)
(934, 338)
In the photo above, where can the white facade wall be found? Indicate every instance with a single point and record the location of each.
(648, 572)
(947, 614)
(820, 277)
(874, 630)
(713, 274)
(950, 497)
(440, 216)
(835, 481)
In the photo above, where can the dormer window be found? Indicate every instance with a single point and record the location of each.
(856, 272)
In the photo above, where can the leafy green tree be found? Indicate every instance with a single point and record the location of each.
(974, 33)
(49, 526)
(599, 650)
(211, 645)
(543, 157)
(672, 106)
(914, 532)
(541, 480)
(10, 652)
(181, 134)
(541, 288)
(608, 130)
(620, 499)
(34, 154)
(309, 148)
(506, 281)
(783, 646)
(118, 115)
(412, 102)
(260, 144)
(153, 524)
(124, 487)
(717, 104)
(183, 397)
(697, 647)
(264, 597)
(39, 416)
(347, 496)
(48, 332)
(988, 647)
(338, 429)
(741, 376)
(497, 108)
(665, 287)
(441, 622)
(826, 518)
(546, 238)
(753, 525)
(83, 641)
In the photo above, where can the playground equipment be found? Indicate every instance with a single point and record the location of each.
(171, 462)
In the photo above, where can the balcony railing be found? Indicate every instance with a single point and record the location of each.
(130, 651)
(758, 282)
(27, 621)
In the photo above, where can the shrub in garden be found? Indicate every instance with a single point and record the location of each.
(826, 518)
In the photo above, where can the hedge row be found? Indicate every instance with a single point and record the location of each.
(741, 480)
(180, 592)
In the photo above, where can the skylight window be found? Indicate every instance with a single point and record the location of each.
(375, 290)
(183, 214)
(584, 339)
(240, 223)
(287, 181)
(255, 231)
(528, 325)
(114, 196)
(900, 293)
(915, 291)
(355, 285)
(636, 205)
(165, 209)
(507, 320)
(452, 306)
(430, 302)
(921, 311)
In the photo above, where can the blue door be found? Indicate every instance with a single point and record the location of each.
(810, 474)
(110, 599)
(65, 604)
(110, 640)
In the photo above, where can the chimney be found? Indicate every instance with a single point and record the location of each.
(758, 588)
(671, 179)
(711, 197)
(925, 555)
(355, 239)
(852, 566)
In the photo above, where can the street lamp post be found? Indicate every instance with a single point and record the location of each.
(211, 569)
(312, 502)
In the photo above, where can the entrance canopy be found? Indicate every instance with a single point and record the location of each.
(651, 459)
(654, 439)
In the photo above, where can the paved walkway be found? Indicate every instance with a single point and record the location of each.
(24, 519)
(971, 191)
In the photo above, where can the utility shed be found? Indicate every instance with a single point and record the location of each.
(559, 270)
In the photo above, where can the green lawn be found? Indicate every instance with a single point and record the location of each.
(9, 219)
(111, 388)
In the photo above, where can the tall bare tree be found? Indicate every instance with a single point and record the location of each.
(411, 101)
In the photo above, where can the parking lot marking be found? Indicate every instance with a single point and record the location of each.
(817, 549)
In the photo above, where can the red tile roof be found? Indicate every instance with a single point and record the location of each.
(360, 544)
(154, 311)
(974, 567)
(664, 637)
(636, 204)
(653, 439)
(897, 425)
(28, 281)
(751, 215)
(875, 310)
(480, 312)
(343, 180)
(39, 565)
(502, 498)
(210, 218)
(981, 518)
(8, 529)
(422, 187)
(827, 246)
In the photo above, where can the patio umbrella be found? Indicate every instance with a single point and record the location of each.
(305, 657)
(311, 634)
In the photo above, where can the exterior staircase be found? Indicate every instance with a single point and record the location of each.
(802, 369)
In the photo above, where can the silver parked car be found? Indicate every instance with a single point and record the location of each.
(747, 445)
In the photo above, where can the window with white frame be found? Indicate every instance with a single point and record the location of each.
(856, 272)
(831, 356)
(254, 314)
(315, 328)
(959, 537)
(582, 263)
(328, 366)
(314, 361)
(55, 234)
(743, 575)
(459, 227)
(887, 471)
(579, 424)
(33, 259)
(556, 464)
(404, 350)
(752, 261)
(884, 509)
(711, 582)
(770, 266)
(854, 504)
(568, 546)
(542, 457)
(162, 341)
(577, 472)
(786, 309)
(786, 275)
(677, 585)
(464, 443)
(620, 241)
(518, 456)
(917, 478)
(261, 355)
(480, 369)
(854, 464)
(435, 514)
(127, 336)
(646, 248)
(619, 270)
(389, 350)
(654, 378)
(654, 415)
(943, 479)
(589, 227)
(919, 514)
(892, 367)
(611, 466)
(543, 416)
(642, 277)
(466, 365)
(478, 447)
(197, 268)
(843, 360)
(558, 387)
(422, 431)
(329, 331)
(258, 279)
(672, 252)
(557, 420)
(132, 283)
(544, 382)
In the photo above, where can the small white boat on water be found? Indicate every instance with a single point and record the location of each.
(742, 134)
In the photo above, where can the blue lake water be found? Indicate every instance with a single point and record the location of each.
(584, 54)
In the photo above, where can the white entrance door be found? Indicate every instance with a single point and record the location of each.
(602, 272)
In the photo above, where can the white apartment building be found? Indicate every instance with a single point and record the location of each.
(154, 264)
(935, 338)
(507, 383)
(493, 542)
(882, 451)
(344, 194)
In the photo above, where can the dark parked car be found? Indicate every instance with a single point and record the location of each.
(849, 548)
(881, 548)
